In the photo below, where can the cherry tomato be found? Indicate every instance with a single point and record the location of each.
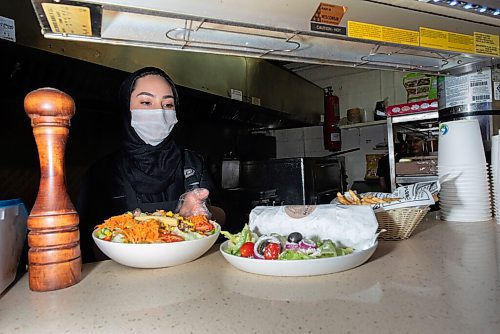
(246, 249)
(272, 251)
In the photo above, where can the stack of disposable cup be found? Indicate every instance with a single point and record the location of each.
(495, 178)
(463, 172)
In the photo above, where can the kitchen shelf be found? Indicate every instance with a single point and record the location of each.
(424, 116)
(360, 125)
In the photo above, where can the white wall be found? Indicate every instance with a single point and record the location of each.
(299, 142)
(364, 138)
(359, 88)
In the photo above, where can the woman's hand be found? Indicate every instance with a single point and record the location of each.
(193, 203)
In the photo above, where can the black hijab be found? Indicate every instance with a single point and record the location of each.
(155, 172)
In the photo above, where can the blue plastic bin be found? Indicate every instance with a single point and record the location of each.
(13, 228)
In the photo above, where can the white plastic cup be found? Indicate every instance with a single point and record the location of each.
(494, 169)
(464, 204)
(460, 168)
(463, 177)
(451, 180)
(464, 219)
(454, 211)
(460, 143)
(467, 190)
(494, 152)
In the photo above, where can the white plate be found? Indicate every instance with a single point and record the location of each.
(311, 267)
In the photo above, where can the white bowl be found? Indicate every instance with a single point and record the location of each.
(311, 267)
(157, 255)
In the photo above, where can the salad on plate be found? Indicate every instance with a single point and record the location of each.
(161, 226)
(294, 246)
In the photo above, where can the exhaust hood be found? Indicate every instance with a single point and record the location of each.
(407, 35)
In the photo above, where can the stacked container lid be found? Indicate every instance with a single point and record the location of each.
(463, 172)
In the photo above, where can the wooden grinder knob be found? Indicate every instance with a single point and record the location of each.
(54, 256)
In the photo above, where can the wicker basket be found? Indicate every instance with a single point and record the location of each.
(400, 223)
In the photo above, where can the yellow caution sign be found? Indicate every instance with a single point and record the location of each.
(66, 19)
(329, 14)
(382, 33)
(486, 44)
(446, 40)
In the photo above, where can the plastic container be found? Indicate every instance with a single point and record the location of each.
(13, 228)
(367, 116)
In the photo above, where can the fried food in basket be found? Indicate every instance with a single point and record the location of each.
(354, 199)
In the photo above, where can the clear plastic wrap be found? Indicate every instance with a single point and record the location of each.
(194, 203)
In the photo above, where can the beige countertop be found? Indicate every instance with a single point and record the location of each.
(444, 279)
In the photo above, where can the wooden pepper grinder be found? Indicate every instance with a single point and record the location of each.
(54, 256)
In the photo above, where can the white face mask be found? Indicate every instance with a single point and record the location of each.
(153, 125)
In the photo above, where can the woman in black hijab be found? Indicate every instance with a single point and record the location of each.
(150, 171)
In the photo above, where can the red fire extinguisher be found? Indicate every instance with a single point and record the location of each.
(331, 130)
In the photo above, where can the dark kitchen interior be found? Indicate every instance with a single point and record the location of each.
(216, 127)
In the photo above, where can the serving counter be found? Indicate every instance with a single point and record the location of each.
(444, 279)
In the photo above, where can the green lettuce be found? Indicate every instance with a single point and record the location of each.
(328, 249)
(290, 254)
(237, 240)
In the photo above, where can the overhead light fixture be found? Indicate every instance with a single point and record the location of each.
(466, 6)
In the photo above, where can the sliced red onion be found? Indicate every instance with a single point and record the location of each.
(292, 245)
(257, 255)
(307, 244)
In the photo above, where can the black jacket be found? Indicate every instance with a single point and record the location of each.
(106, 192)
